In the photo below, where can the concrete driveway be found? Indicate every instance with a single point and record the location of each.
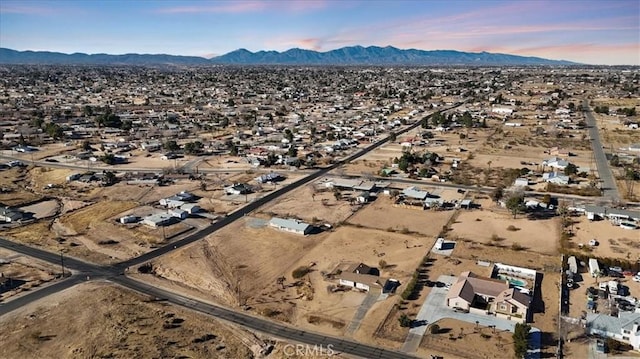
(435, 308)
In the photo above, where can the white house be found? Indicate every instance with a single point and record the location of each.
(191, 208)
(554, 177)
(361, 276)
(502, 110)
(521, 182)
(157, 220)
(555, 162)
(625, 327)
(290, 225)
(172, 202)
(178, 213)
(414, 192)
(128, 219)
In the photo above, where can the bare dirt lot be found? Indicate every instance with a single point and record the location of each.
(614, 241)
(111, 321)
(466, 340)
(497, 227)
(381, 214)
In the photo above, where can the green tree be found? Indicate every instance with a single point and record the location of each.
(571, 169)
(404, 320)
(54, 130)
(108, 158)
(392, 136)
(109, 178)
(515, 204)
(171, 145)
(288, 135)
(521, 339)
(467, 120)
(86, 145)
(292, 152)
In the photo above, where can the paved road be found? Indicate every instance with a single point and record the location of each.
(604, 171)
(263, 325)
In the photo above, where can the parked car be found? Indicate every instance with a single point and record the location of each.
(594, 243)
(616, 269)
(636, 278)
(615, 274)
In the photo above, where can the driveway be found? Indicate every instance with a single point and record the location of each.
(368, 301)
(435, 308)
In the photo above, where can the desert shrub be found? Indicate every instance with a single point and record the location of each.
(434, 329)
(512, 228)
(404, 320)
(300, 272)
(517, 247)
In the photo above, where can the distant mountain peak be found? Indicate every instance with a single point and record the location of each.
(351, 55)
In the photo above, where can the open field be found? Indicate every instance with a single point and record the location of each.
(614, 241)
(111, 321)
(381, 214)
(465, 340)
(497, 227)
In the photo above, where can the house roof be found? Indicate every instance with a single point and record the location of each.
(368, 279)
(463, 289)
(611, 324)
(358, 268)
(290, 223)
(485, 286)
(414, 192)
(514, 296)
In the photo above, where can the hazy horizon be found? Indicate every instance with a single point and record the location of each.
(584, 31)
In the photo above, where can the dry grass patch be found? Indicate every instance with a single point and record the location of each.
(85, 218)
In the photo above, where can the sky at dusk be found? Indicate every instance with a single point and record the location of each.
(586, 31)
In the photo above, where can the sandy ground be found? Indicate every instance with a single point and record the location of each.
(484, 225)
(26, 273)
(381, 214)
(110, 321)
(468, 341)
(614, 241)
(311, 205)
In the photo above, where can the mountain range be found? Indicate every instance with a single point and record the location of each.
(353, 55)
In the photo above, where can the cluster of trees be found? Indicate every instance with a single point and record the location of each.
(439, 118)
(627, 111)
(601, 109)
(192, 148)
(109, 119)
(409, 159)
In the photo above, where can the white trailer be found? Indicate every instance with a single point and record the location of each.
(594, 268)
(573, 264)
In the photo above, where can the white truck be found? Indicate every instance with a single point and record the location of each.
(594, 268)
(613, 287)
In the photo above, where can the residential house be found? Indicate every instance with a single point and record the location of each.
(556, 178)
(290, 225)
(10, 215)
(415, 193)
(492, 295)
(191, 208)
(178, 213)
(364, 197)
(555, 162)
(625, 327)
(157, 220)
(238, 188)
(521, 182)
(172, 202)
(270, 177)
(362, 277)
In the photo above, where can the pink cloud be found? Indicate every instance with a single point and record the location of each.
(217, 7)
(242, 6)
